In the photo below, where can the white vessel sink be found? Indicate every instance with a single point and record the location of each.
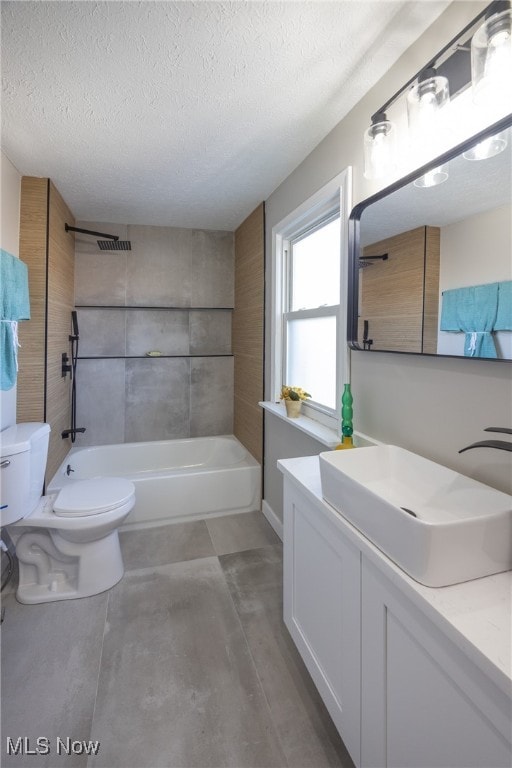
(440, 527)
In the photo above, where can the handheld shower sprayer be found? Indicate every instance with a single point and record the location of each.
(74, 325)
(73, 338)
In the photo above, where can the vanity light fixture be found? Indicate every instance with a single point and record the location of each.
(426, 114)
(491, 74)
(379, 147)
(491, 61)
(488, 37)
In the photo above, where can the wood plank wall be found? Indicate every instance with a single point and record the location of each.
(399, 297)
(31, 334)
(431, 299)
(248, 331)
(49, 252)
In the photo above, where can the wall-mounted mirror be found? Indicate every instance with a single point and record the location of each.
(431, 266)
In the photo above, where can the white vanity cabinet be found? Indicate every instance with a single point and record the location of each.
(403, 688)
(322, 609)
(423, 703)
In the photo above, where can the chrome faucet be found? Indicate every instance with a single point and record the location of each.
(501, 445)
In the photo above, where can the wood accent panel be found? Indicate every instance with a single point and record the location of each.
(431, 299)
(32, 335)
(248, 331)
(48, 251)
(393, 292)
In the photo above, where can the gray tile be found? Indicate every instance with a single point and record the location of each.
(157, 399)
(307, 734)
(235, 533)
(50, 664)
(252, 572)
(100, 401)
(171, 266)
(165, 544)
(213, 268)
(210, 333)
(177, 684)
(102, 332)
(159, 266)
(211, 396)
(166, 332)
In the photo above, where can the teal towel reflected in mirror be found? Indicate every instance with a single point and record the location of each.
(504, 315)
(14, 306)
(473, 311)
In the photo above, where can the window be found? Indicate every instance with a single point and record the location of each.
(309, 344)
(311, 310)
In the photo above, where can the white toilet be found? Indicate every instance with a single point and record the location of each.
(70, 547)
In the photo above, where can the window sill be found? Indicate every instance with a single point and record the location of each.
(320, 432)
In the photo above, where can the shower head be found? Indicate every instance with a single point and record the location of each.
(114, 245)
(368, 261)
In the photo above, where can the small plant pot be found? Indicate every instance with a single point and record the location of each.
(293, 408)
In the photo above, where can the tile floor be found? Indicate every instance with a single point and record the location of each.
(185, 663)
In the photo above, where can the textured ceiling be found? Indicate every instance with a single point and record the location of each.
(186, 113)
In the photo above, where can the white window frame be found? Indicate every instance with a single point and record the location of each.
(334, 196)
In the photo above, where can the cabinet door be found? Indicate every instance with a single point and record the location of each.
(322, 609)
(424, 704)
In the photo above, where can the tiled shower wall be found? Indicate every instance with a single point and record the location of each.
(171, 293)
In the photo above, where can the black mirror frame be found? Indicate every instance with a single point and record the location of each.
(354, 238)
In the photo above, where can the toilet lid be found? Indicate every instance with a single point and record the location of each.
(90, 497)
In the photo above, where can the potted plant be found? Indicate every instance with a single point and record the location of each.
(293, 397)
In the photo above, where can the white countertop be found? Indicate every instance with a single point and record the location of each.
(476, 615)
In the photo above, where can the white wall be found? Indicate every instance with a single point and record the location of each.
(475, 251)
(431, 405)
(10, 192)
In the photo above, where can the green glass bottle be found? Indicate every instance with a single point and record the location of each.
(347, 428)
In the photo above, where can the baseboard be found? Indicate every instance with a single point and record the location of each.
(272, 518)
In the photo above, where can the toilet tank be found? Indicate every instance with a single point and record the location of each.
(23, 454)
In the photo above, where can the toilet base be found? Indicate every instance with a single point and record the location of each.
(52, 568)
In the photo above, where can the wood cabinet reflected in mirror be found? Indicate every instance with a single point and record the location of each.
(398, 306)
(431, 268)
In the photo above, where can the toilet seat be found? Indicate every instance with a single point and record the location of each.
(85, 498)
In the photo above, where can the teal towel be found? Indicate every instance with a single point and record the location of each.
(14, 300)
(449, 315)
(14, 306)
(472, 310)
(504, 316)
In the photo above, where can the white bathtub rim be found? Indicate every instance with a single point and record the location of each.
(56, 482)
(141, 443)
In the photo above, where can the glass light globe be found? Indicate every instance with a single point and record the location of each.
(379, 149)
(491, 65)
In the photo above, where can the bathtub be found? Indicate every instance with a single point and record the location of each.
(175, 480)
